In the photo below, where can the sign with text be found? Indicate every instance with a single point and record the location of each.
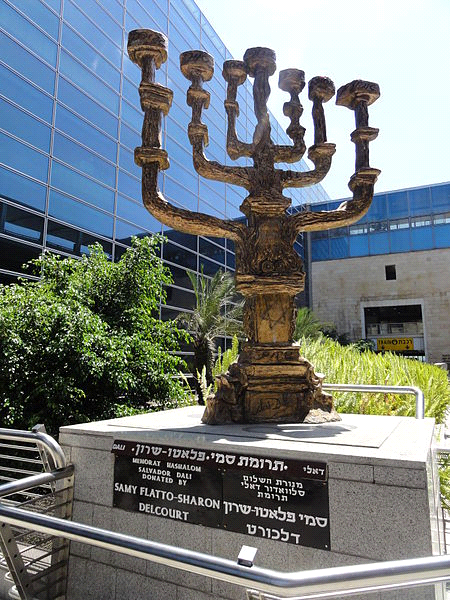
(398, 344)
(278, 499)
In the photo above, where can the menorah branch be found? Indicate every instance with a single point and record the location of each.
(321, 157)
(234, 74)
(348, 212)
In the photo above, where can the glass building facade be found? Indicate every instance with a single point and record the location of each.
(399, 221)
(70, 120)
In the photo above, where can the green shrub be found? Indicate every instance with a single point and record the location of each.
(346, 364)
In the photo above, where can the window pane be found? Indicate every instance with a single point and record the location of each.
(400, 240)
(126, 161)
(129, 186)
(379, 243)
(74, 71)
(66, 239)
(397, 203)
(137, 213)
(421, 238)
(338, 247)
(98, 15)
(90, 58)
(87, 107)
(442, 235)
(212, 251)
(22, 190)
(20, 223)
(320, 250)
(15, 255)
(77, 185)
(132, 115)
(179, 194)
(179, 256)
(72, 125)
(40, 14)
(359, 245)
(24, 159)
(440, 198)
(128, 137)
(419, 201)
(24, 94)
(125, 231)
(27, 65)
(88, 30)
(27, 33)
(184, 239)
(82, 159)
(80, 214)
(24, 126)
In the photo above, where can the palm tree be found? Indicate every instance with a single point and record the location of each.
(308, 325)
(216, 313)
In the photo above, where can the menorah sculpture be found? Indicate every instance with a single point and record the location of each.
(270, 382)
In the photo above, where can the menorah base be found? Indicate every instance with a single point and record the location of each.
(270, 384)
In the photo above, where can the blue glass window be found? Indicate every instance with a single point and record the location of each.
(440, 198)
(186, 21)
(23, 158)
(397, 203)
(115, 8)
(150, 16)
(77, 185)
(72, 125)
(76, 213)
(359, 245)
(85, 161)
(179, 298)
(24, 126)
(231, 260)
(421, 233)
(98, 15)
(27, 65)
(400, 240)
(179, 194)
(90, 31)
(74, 71)
(379, 243)
(179, 154)
(130, 91)
(442, 235)
(378, 208)
(22, 190)
(129, 185)
(125, 231)
(132, 115)
(207, 267)
(27, 33)
(338, 247)
(126, 161)
(24, 94)
(90, 58)
(129, 137)
(182, 239)
(137, 213)
(66, 239)
(179, 256)
(83, 105)
(419, 201)
(41, 15)
(20, 223)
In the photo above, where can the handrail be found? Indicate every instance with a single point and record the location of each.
(391, 389)
(41, 439)
(327, 582)
(12, 487)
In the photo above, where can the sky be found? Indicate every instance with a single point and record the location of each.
(404, 46)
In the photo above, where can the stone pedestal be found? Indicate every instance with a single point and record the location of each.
(381, 482)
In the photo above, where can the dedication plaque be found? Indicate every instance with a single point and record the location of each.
(278, 499)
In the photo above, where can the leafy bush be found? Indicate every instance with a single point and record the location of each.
(85, 342)
(347, 364)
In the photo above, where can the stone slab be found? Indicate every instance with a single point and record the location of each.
(382, 499)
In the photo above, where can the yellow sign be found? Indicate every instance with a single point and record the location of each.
(395, 344)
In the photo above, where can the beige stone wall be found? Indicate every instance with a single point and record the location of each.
(340, 287)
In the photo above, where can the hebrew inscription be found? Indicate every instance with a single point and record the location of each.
(278, 499)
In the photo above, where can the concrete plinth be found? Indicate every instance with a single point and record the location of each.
(382, 486)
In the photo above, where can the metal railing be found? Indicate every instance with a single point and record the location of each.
(387, 389)
(329, 582)
(36, 478)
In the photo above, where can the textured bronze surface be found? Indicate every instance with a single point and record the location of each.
(271, 382)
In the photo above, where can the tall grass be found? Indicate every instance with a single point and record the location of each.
(346, 364)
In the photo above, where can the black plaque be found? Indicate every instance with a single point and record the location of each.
(278, 499)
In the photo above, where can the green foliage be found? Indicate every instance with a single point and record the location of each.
(216, 313)
(346, 364)
(224, 360)
(85, 342)
(308, 325)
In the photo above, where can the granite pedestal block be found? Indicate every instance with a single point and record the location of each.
(382, 487)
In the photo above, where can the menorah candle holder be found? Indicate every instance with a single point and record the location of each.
(270, 382)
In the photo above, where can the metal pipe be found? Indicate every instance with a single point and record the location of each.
(26, 483)
(39, 438)
(391, 389)
(303, 585)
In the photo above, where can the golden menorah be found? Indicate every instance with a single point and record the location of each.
(270, 382)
